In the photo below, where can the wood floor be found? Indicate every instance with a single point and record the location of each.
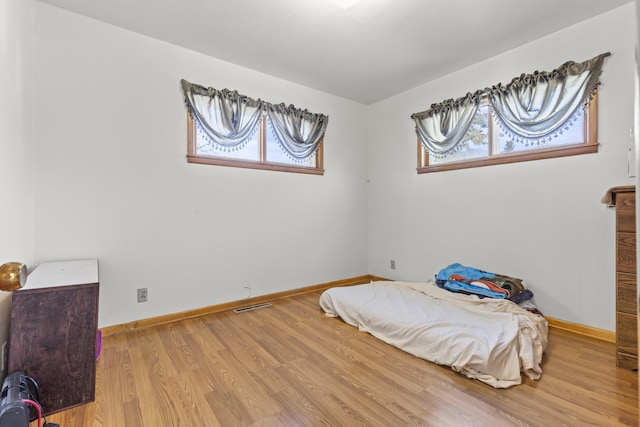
(288, 365)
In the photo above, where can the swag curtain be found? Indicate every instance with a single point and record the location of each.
(536, 106)
(443, 126)
(226, 118)
(229, 120)
(298, 131)
(531, 107)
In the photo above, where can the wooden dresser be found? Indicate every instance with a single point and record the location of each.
(624, 200)
(52, 337)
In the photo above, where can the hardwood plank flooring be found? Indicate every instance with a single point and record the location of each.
(288, 365)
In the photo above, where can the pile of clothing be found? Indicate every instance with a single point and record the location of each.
(468, 280)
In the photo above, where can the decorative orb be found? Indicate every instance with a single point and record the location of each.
(13, 276)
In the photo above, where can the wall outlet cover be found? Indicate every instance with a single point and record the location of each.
(143, 294)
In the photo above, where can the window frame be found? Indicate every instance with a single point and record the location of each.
(590, 145)
(262, 164)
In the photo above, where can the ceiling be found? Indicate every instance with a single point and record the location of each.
(364, 50)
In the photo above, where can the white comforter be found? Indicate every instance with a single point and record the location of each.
(488, 339)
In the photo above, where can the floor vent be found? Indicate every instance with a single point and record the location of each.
(252, 307)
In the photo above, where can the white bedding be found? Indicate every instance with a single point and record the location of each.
(488, 339)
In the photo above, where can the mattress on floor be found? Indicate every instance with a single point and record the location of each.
(492, 340)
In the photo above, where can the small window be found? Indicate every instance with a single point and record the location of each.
(226, 128)
(486, 144)
(539, 115)
(262, 151)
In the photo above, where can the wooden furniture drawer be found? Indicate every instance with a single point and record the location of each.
(627, 361)
(626, 333)
(626, 212)
(626, 252)
(626, 301)
(624, 200)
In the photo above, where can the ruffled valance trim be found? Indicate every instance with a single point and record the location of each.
(568, 68)
(450, 104)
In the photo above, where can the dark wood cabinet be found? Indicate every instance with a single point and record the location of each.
(52, 338)
(624, 200)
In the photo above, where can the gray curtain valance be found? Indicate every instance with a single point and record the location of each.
(536, 106)
(229, 120)
(298, 131)
(531, 107)
(226, 118)
(443, 126)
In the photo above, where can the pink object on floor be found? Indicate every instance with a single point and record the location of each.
(98, 344)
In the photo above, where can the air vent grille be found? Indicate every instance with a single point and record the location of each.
(252, 307)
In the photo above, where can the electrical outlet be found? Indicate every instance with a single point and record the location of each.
(392, 264)
(5, 357)
(142, 294)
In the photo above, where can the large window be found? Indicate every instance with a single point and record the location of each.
(535, 116)
(226, 128)
(485, 143)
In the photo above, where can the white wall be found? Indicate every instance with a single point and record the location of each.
(15, 143)
(542, 220)
(112, 181)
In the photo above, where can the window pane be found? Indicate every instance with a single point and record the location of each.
(572, 134)
(249, 152)
(276, 154)
(476, 142)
